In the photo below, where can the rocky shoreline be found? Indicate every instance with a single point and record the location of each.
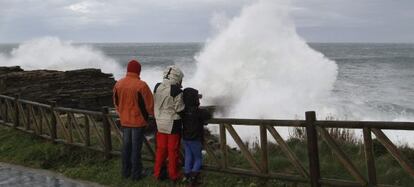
(83, 89)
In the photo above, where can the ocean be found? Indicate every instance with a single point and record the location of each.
(373, 82)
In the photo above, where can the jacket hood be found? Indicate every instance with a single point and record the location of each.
(173, 75)
(134, 67)
(190, 97)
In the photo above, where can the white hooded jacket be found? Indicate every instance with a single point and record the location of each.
(168, 101)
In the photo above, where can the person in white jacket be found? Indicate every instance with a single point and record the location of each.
(168, 104)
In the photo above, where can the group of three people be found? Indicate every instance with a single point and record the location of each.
(177, 115)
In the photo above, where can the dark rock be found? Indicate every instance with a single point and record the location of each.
(84, 89)
(4, 70)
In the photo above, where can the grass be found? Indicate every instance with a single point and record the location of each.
(20, 148)
(24, 149)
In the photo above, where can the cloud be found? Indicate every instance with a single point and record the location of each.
(355, 21)
(100, 20)
(82, 7)
(189, 20)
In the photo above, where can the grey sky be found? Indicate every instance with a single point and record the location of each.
(189, 20)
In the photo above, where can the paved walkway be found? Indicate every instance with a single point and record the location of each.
(18, 176)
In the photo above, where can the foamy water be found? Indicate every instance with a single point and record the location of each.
(55, 54)
(261, 68)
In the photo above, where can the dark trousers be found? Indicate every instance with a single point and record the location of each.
(131, 152)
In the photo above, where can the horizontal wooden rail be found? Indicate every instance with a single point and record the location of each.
(367, 124)
(258, 122)
(34, 103)
(80, 111)
(6, 97)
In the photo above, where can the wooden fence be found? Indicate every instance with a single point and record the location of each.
(98, 131)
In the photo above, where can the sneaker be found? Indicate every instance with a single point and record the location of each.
(186, 178)
(146, 172)
(137, 178)
(195, 176)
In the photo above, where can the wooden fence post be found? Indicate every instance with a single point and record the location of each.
(263, 147)
(16, 111)
(369, 157)
(87, 131)
(28, 118)
(3, 110)
(6, 111)
(107, 133)
(313, 151)
(53, 128)
(223, 145)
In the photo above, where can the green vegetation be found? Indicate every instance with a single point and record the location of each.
(20, 148)
(389, 171)
(24, 149)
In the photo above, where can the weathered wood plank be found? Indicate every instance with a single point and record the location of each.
(289, 153)
(313, 152)
(343, 159)
(210, 152)
(223, 145)
(80, 111)
(87, 130)
(404, 162)
(264, 150)
(16, 111)
(6, 97)
(40, 118)
(61, 125)
(98, 132)
(369, 157)
(9, 111)
(47, 121)
(340, 182)
(29, 119)
(68, 124)
(250, 173)
(367, 124)
(76, 125)
(115, 128)
(149, 148)
(53, 122)
(24, 119)
(258, 122)
(245, 151)
(2, 109)
(106, 133)
(34, 103)
(34, 118)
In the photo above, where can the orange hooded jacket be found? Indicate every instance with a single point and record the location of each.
(133, 99)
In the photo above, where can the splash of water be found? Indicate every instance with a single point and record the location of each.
(259, 67)
(54, 54)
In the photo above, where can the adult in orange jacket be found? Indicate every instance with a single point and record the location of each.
(134, 103)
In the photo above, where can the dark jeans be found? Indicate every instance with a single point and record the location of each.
(193, 157)
(131, 152)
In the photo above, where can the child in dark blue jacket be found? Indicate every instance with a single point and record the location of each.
(194, 120)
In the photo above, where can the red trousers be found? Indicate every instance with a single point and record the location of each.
(168, 145)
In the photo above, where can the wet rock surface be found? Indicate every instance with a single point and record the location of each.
(84, 89)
